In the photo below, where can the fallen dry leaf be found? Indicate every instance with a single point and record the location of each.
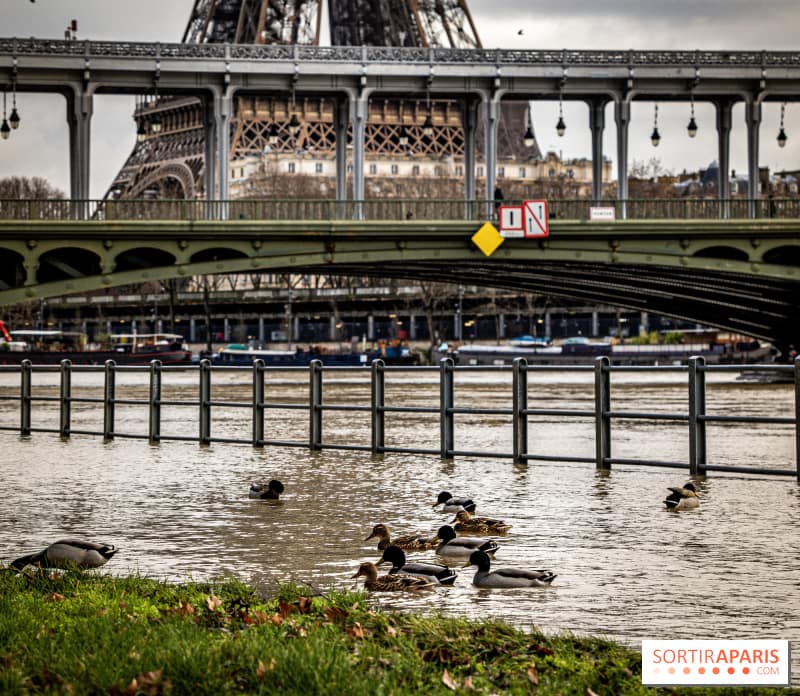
(56, 597)
(262, 669)
(213, 602)
(285, 609)
(356, 631)
(391, 631)
(468, 684)
(589, 692)
(334, 614)
(448, 681)
(533, 675)
(304, 605)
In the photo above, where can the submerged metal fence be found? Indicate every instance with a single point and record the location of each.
(696, 417)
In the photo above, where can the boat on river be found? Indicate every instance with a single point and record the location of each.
(247, 353)
(51, 346)
(580, 350)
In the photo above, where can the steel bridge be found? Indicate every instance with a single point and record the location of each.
(737, 274)
(479, 79)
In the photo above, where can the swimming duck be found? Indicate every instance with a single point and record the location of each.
(408, 542)
(682, 498)
(68, 553)
(465, 522)
(433, 572)
(453, 546)
(389, 583)
(506, 577)
(267, 491)
(453, 503)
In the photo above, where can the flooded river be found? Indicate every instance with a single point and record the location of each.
(627, 569)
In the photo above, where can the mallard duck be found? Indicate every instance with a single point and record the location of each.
(68, 553)
(506, 577)
(433, 572)
(465, 522)
(390, 583)
(453, 503)
(682, 498)
(267, 491)
(408, 542)
(453, 546)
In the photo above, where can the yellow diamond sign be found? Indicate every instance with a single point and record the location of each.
(487, 238)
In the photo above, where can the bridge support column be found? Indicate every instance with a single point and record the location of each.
(261, 328)
(222, 117)
(595, 323)
(370, 327)
(340, 121)
(753, 119)
(491, 112)
(210, 134)
(412, 327)
(597, 123)
(469, 121)
(359, 109)
(192, 330)
(724, 108)
(79, 116)
(622, 116)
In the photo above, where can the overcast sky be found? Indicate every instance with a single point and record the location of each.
(39, 147)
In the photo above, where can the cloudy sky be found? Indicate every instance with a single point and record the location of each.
(39, 147)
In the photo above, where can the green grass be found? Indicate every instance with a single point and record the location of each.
(74, 633)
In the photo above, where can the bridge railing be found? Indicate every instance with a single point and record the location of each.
(599, 413)
(398, 209)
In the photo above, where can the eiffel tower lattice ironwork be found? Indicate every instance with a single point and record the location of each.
(168, 160)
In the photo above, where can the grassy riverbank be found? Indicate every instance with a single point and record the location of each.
(79, 634)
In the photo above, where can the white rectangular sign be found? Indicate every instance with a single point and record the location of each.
(602, 214)
(536, 220)
(512, 222)
(715, 662)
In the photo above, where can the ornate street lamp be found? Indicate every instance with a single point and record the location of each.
(691, 129)
(655, 137)
(782, 133)
(528, 139)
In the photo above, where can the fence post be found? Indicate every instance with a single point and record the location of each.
(155, 401)
(258, 403)
(797, 414)
(205, 402)
(602, 407)
(697, 412)
(446, 416)
(315, 405)
(520, 407)
(25, 397)
(66, 398)
(109, 395)
(378, 402)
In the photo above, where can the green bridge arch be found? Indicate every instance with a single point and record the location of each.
(742, 275)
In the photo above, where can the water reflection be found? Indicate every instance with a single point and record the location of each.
(626, 567)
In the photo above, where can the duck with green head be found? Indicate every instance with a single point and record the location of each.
(505, 577)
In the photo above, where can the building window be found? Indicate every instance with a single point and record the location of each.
(290, 167)
(373, 168)
(349, 168)
(395, 169)
(552, 172)
(459, 170)
(522, 172)
(415, 170)
(480, 171)
(437, 170)
(319, 168)
(501, 171)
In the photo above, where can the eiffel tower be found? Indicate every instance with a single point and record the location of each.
(168, 160)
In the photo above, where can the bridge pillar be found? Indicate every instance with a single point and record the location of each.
(469, 121)
(222, 118)
(359, 109)
(210, 134)
(753, 120)
(340, 120)
(597, 123)
(79, 116)
(724, 108)
(622, 116)
(491, 110)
